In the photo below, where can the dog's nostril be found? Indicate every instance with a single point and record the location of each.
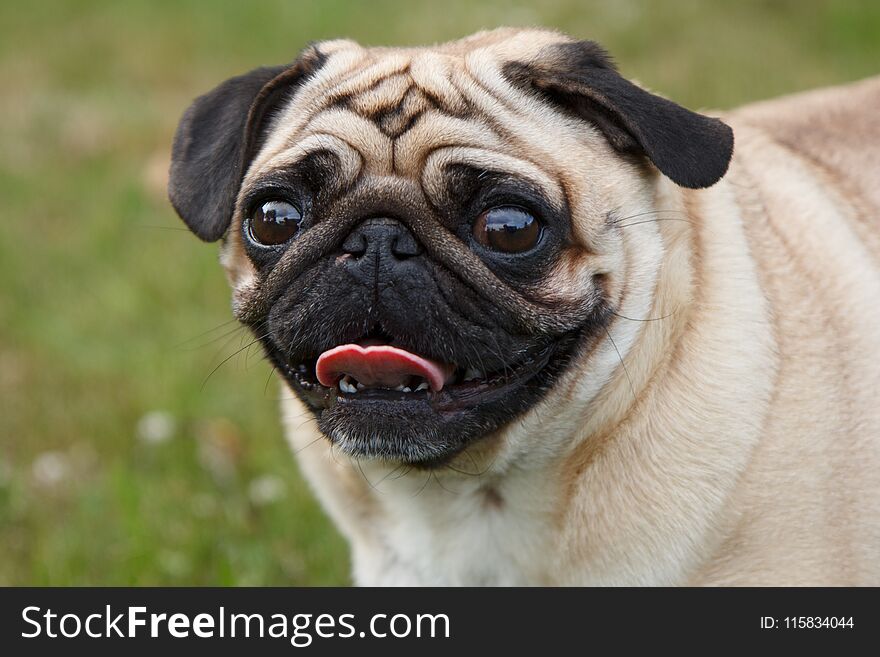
(405, 246)
(355, 244)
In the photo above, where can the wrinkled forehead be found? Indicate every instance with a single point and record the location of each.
(412, 113)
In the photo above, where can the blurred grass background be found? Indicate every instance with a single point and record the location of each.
(119, 462)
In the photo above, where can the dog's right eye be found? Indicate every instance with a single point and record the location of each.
(274, 222)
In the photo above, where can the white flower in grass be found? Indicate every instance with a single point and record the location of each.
(156, 427)
(266, 490)
(50, 469)
(175, 563)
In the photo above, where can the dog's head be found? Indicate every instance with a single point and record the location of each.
(424, 240)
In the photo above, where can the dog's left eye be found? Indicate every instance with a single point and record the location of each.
(274, 222)
(508, 229)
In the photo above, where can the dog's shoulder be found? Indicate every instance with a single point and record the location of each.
(837, 128)
(847, 111)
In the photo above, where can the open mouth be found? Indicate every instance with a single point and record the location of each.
(382, 397)
(374, 370)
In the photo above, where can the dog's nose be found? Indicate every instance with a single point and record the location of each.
(380, 242)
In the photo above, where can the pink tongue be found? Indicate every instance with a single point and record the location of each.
(380, 366)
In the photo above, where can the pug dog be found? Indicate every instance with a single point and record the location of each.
(538, 325)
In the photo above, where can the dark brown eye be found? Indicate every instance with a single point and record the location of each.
(507, 229)
(274, 222)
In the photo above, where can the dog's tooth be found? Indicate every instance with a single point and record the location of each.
(422, 386)
(407, 389)
(472, 373)
(346, 386)
(399, 388)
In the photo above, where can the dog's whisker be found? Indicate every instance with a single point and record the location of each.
(222, 349)
(363, 474)
(405, 472)
(307, 445)
(500, 356)
(260, 354)
(424, 485)
(269, 379)
(238, 331)
(220, 326)
(459, 471)
(230, 357)
(651, 221)
(622, 364)
(617, 220)
(333, 454)
(477, 472)
(157, 227)
(440, 484)
(647, 319)
(390, 473)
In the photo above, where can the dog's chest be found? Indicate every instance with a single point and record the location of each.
(469, 534)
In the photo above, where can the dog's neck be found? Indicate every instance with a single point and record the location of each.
(589, 495)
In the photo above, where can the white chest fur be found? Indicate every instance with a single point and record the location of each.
(463, 531)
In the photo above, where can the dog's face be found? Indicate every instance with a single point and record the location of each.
(426, 240)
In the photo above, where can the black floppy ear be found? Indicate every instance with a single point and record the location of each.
(691, 149)
(217, 138)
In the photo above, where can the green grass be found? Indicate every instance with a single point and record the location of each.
(104, 298)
